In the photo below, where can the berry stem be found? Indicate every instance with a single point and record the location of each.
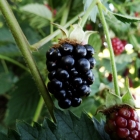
(114, 71)
(42, 42)
(24, 48)
(14, 62)
(4, 66)
(86, 15)
(38, 110)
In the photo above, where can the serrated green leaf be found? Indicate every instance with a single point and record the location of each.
(38, 9)
(6, 82)
(67, 127)
(112, 99)
(73, 127)
(125, 58)
(23, 102)
(26, 131)
(94, 11)
(125, 18)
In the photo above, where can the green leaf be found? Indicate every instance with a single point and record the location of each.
(100, 127)
(38, 15)
(3, 136)
(137, 63)
(116, 25)
(23, 102)
(74, 128)
(112, 99)
(6, 82)
(127, 98)
(94, 11)
(13, 134)
(96, 84)
(95, 41)
(9, 50)
(38, 10)
(125, 18)
(125, 58)
(67, 127)
(26, 131)
(6, 36)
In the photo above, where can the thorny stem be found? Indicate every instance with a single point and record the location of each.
(42, 42)
(24, 48)
(112, 59)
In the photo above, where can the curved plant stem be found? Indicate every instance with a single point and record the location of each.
(42, 42)
(114, 71)
(65, 13)
(14, 62)
(86, 15)
(4, 66)
(24, 48)
(38, 110)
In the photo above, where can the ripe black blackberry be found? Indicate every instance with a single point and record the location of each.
(69, 64)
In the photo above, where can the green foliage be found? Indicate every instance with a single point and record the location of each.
(94, 12)
(6, 82)
(3, 136)
(125, 18)
(67, 126)
(5, 36)
(38, 14)
(23, 102)
(125, 58)
(116, 25)
(9, 50)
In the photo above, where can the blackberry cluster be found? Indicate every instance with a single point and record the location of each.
(70, 73)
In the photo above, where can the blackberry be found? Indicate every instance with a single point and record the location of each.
(90, 50)
(69, 64)
(80, 51)
(83, 65)
(66, 103)
(92, 62)
(66, 49)
(67, 61)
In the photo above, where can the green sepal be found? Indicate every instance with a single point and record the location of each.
(127, 98)
(101, 108)
(77, 32)
(63, 30)
(112, 99)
